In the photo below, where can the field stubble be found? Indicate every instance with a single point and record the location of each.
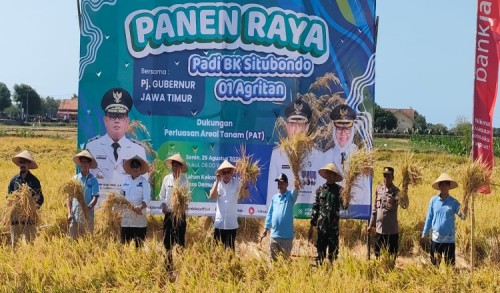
(53, 263)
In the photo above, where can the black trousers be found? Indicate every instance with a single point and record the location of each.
(137, 234)
(328, 241)
(387, 242)
(174, 231)
(440, 249)
(227, 237)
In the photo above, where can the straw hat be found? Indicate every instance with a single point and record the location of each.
(85, 154)
(177, 158)
(444, 177)
(127, 165)
(330, 167)
(27, 156)
(225, 165)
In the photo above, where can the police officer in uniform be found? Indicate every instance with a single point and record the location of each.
(384, 218)
(112, 149)
(326, 214)
(298, 115)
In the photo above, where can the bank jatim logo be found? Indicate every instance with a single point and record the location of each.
(251, 210)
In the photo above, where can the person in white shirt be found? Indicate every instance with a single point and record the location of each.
(226, 189)
(173, 231)
(137, 191)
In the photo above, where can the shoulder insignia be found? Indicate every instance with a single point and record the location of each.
(136, 141)
(93, 138)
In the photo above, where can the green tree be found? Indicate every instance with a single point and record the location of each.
(384, 119)
(437, 128)
(463, 128)
(28, 98)
(12, 110)
(419, 121)
(74, 96)
(5, 101)
(50, 106)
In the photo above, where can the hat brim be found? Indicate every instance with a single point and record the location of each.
(31, 165)
(453, 184)
(184, 167)
(93, 163)
(323, 173)
(127, 166)
(226, 168)
(278, 180)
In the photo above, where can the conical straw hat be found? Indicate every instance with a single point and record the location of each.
(177, 158)
(25, 155)
(85, 154)
(330, 167)
(444, 177)
(225, 165)
(144, 165)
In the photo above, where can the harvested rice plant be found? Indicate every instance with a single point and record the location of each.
(54, 263)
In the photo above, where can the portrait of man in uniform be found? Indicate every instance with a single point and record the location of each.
(113, 148)
(298, 114)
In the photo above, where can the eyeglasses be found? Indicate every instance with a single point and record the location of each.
(346, 130)
(24, 161)
(116, 116)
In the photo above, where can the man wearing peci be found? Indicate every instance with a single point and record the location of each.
(112, 149)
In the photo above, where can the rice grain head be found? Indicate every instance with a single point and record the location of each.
(411, 173)
(74, 189)
(181, 196)
(297, 149)
(20, 206)
(110, 215)
(247, 169)
(358, 165)
(474, 176)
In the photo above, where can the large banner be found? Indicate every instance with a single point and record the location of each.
(204, 78)
(486, 80)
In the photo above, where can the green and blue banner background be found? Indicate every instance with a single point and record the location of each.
(207, 77)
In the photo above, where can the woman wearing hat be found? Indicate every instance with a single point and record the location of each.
(325, 213)
(173, 231)
(79, 224)
(226, 192)
(440, 220)
(25, 161)
(137, 191)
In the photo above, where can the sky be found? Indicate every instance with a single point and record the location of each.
(425, 53)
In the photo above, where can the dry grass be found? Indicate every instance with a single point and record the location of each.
(74, 189)
(474, 176)
(20, 206)
(52, 263)
(296, 148)
(247, 169)
(360, 164)
(181, 196)
(109, 215)
(411, 174)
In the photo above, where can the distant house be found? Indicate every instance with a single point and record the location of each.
(68, 109)
(406, 118)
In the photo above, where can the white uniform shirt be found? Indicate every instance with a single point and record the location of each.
(136, 191)
(167, 188)
(226, 215)
(110, 172)
(309, 176)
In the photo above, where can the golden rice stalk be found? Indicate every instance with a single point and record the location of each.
(181, 196)
(297, 148)
(74, 189)
(249, 229)
(109, 215)
(324, 81)
(20, 206)
(474, 176)
(411, 174)
(359, 164)
(247, 169)
(135, 126)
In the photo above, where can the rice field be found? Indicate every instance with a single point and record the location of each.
(54, 263)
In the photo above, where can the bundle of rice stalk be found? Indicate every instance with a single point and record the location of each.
(110, 214)
(74, 189)
(474, 176)
(181, 196)
(297, 148)
(360, 164)
(136, 126)
(411, 174)
(20, 206)
(248, 170)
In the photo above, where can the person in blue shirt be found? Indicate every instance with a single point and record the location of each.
(81, 218)
(280, 219)
(440, 221)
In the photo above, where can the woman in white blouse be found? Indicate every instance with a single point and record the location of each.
(137, 191)
(225, 190)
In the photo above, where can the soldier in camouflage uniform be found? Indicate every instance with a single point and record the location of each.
(325, 213)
